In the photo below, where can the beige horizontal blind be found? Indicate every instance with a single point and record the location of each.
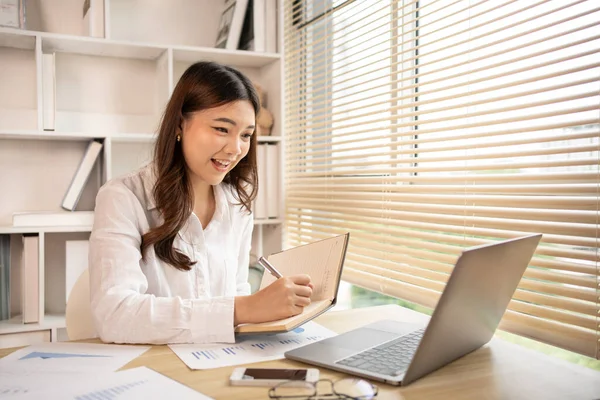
(424, 127)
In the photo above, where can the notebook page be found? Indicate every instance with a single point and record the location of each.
(321, 260)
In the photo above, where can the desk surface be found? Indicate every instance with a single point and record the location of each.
(498, 370)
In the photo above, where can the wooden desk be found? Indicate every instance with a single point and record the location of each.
(499, 370)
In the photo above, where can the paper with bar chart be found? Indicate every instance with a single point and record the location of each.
(137, 383)
(249, 349)
(64, 357)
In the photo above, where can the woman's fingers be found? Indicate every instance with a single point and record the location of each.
(302, 301)
(303, 291)
(301, 279)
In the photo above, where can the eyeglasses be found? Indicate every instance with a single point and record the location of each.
(347, 389)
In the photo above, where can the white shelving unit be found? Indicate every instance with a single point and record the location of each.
(113, 89)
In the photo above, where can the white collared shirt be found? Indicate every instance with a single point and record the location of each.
(149, 301)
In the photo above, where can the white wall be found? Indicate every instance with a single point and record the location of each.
(57, 16)
(182, 22)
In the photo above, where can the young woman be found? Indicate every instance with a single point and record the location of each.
(170, 245)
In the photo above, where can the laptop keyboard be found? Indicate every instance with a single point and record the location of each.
(389, 358)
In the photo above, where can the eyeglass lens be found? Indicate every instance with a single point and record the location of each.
(349, 387)
(356, 388)
(294, 389)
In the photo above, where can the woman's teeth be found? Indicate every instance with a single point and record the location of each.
(221, 164)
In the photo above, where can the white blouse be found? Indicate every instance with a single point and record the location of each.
(149, 301)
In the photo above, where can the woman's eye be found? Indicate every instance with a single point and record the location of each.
(247, 136)
(222, 130)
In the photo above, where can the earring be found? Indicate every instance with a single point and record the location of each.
(178, 138)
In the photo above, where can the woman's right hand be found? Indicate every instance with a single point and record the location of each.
(283, 298)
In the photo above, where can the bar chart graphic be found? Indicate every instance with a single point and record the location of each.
(66, 357)
(45, 355)
(249, 348)
(111, 393)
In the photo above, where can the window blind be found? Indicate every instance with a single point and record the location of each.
(425, 127)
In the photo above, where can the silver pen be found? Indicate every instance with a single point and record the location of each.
(267, 265)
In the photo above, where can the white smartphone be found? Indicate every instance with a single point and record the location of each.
(272, 376)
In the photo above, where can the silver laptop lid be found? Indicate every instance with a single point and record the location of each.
(472, 303)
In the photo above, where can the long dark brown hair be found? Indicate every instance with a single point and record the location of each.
(202, 86)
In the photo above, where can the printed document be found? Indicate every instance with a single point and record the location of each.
(137, 383)
(249, 349)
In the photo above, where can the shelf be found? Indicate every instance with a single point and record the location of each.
(54, 42)
(44, 229)
(77, 136)
(133, 137)
(84, 136)
(99, 47)
(47, 135)
(15, 324)
(239, 58)
(16, 39)
(65, 229)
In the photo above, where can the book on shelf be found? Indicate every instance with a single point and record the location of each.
(76, 262)
(271, 26)
(230, 25)
(48, 91)
(260, 202)
(323, 261)
(81, 175)
(16, 254)
(4, 277)
(30, 275)
(272, 189)
(93, 18)
(252, 37)
(58, 218)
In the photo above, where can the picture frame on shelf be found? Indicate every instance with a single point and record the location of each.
(13, 14)
(230, 25)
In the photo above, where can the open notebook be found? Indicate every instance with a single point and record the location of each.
(323, 261)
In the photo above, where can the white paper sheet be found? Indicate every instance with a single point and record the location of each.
(249, 349)
(136, 383)
(16, 383)
(66, 357)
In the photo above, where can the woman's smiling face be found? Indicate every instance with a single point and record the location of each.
(216, 139)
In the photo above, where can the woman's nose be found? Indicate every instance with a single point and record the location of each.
(234, 146)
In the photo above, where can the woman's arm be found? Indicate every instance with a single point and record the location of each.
(121, 310)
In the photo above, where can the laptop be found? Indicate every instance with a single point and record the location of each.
(468, 312)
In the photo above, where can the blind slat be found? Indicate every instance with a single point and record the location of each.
(467, 180)
(537, 201)
(515, 190)
(583, 161)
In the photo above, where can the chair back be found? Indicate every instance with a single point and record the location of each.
(78, 315)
